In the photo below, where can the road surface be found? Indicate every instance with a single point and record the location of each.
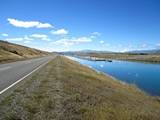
(12, 73)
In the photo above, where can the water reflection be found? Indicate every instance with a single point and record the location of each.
(145, 76)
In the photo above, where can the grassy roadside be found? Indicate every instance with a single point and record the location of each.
(66, 90)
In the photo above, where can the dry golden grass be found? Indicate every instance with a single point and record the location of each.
(10, 51)
(66, 90)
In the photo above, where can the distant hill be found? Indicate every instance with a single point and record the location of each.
(10, 51)
(82, 52)
(154, 51)
(93, 52)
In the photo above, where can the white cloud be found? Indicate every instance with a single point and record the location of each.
(15, 39)
(92, 36)
(44, 25)
(20, 38)
(60, 32)
(4, 34)
(28, 24)
(101, 41)
(46, 39)
(124, 50)
(27, 38)
(144, 45)
(72, 41)
(40, 36)
(96, 33)
(27, 42)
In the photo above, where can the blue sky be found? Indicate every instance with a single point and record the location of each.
(62, 25)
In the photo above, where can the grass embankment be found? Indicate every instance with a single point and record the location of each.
(66, 90)
(14, 52)
(150, 58)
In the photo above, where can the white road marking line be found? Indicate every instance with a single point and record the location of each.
(23, 78)
(5, 68)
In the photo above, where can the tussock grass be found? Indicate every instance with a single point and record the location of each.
(13, 52)
(66, 90)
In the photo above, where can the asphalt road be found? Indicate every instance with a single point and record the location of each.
(14, 72)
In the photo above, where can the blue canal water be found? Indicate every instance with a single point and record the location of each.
(145, 76)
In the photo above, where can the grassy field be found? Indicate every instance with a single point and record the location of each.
(152, 58)
(66, 90)
(13, 52)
